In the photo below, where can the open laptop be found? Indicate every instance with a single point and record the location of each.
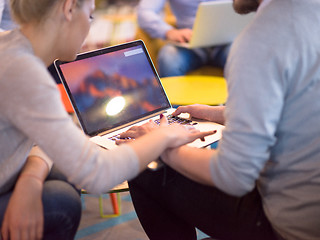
(114, 88)
(216, 23)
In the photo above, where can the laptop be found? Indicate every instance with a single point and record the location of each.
(216, 23)
(115, 88)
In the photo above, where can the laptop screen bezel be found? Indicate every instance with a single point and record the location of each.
(58, 63)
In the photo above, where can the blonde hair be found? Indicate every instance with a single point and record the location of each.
(25, 11)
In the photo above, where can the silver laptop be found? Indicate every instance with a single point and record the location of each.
(114, 88)
(216, 23)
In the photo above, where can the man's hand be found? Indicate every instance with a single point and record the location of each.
(179, 35)
(205, 112)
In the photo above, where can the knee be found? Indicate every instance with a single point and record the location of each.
(60, 193)
(62, 210)
(219, 58)
(170, 61)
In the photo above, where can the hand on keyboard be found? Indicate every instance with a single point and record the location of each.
(138, 131)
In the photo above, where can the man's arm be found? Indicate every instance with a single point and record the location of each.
(193, 163)
(150, 18)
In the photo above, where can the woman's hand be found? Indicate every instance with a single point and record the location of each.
(137, 131)
(23, 218)
(182, 133)
(151, 145)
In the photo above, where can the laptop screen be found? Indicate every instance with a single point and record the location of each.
(113, 86)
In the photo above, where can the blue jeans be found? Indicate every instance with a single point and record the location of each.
(170, 206)
(176, 61)
(61, 205)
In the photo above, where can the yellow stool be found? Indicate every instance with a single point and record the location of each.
(115, 198)
(190, 89)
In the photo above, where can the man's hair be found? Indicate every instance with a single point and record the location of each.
(246, 6)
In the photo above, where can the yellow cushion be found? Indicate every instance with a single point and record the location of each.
(190, 89)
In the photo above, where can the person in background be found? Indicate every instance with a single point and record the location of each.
(175, 60)
(36, 131)
(263, 179)
(6, 22)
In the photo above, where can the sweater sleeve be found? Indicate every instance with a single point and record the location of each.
(43, 119)
(256, 90)
(36, 151)
(150, 18)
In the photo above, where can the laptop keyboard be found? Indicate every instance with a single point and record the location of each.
(171, 119)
